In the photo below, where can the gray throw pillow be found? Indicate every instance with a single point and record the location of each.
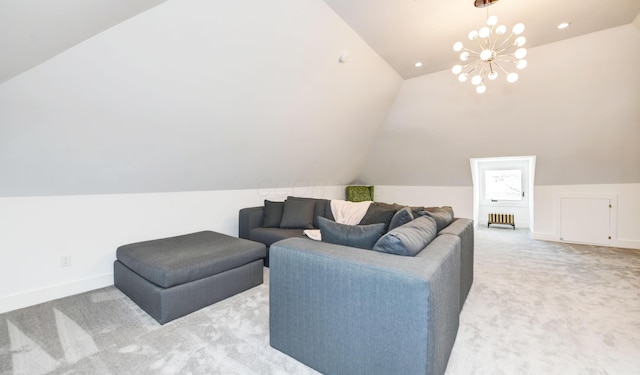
(396, 206)
(376, 214)
(360, 236)
(440, 215)
(272, 214)
(401, 217)
(408, 239)
(322, 208)
(298, 214)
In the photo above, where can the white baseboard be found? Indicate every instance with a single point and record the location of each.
(625, 244)
(545, 237)
(36, 296)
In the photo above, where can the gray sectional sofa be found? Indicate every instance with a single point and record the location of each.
(253, 226)
(346, 310)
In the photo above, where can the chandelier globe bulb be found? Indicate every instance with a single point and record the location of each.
(476, 80)
(493, 75)
(473, 35)
(520, 53)
(463, 77)
(521, 64)
(457, 69)
(491, 21)
(500, 30)
(518, 28)
(486, 54)
(457, 46)
(520, 41)
(480, 89)
(484, 32)
(512, 77)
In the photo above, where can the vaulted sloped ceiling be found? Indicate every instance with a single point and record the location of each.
(406, 31)
(33, 31)
(575, 108)
(203, 95)
(198, 95)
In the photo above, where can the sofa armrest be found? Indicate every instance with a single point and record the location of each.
(343, 310)
(463, 228)
(249, 218)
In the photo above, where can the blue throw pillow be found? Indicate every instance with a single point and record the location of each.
(442, 216)
(408, 239)
(401, 217)
(376, 214)
(360, 236)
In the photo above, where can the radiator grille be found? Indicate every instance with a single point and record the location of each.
(506, 219)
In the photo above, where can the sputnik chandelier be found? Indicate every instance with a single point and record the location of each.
(493, 52)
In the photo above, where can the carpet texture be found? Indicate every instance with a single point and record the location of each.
(535, 308)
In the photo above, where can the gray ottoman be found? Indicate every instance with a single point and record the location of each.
(171, 277)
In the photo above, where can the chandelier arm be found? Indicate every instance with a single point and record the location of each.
(482, 68)
(491, 34)
(506, 49)
(506, 60)
(493, 42)
(507, 39)
(481, 45)
(501, 68)
(497, 40)
(471, 51)
(473, 65)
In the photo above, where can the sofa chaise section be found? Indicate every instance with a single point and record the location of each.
(343, 310)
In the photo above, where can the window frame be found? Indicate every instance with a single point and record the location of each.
(523, 201)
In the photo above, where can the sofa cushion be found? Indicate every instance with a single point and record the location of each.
(272, 214)
(298, 214)
(390, 206)
(360, 236)
(376, 214)
(177, 260)
(441, 215)
(396, 206)
(408, 239)
(449, 209)
(401, 217)
(322, 208)
(269, 236)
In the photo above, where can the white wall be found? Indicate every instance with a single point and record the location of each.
(626, 220)
(575, 108)
(197, 95)
(37, 231)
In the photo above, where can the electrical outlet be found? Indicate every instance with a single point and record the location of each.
(65, 261)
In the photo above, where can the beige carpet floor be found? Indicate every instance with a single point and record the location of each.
(549, 308)
(535, 308)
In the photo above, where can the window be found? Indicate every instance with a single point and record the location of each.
(503, 185)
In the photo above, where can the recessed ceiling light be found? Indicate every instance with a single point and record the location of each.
(564, 25)
(418, 64)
